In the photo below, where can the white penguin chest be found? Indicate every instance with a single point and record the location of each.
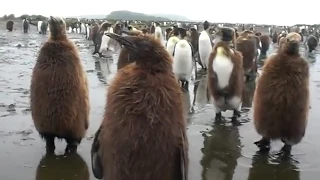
(223, 68)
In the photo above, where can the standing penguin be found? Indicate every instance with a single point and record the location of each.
(9, 25)
(205, 46)
(88, 29)
(103, 40)
(172, 41)
(275, 37)
(59, 90)
(94, 34)
(226, 76)
(312, 43)
(148, 130)
(25, 25)
(278, 114)
(183, 59)
(44, 27)
(265, 44)
(158, 33)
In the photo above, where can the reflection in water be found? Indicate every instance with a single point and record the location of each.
(222, 148)
(247, 94)
(200, 91)
(68, 167)
(102, 71)
(262, 169)
(186, 104)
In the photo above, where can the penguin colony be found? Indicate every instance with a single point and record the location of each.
(146, 93)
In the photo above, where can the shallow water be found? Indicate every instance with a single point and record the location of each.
(217, 151)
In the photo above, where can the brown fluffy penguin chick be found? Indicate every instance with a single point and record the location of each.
(143, 133)
(59, 90)
(278, 114)
(247, 47)
(226, 79)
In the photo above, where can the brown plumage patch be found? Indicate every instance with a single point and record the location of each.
(247, 47)
(104, 26)
(124, 58)
(94, 32)
(152, 29)
(246, 33)
(134, 33)
(277, 111)
(117, 29)
(281, 41)
(194, 40)
(265, 43)
(275, 37)
(145, 31)
(9, 25)
(312, 43)
(168, 30)
(59, 91)
(236, 80)
(143, 120)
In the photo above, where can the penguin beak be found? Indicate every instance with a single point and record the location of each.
(52, 19)
(124, 40)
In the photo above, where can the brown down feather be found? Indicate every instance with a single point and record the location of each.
(143, 132)
(247, 47)
(59, 91)
(236, 81)
(281, 100)
(265, 43)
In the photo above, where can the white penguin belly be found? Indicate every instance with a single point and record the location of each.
(182, 61)
(88, 32)
(39, 26)
(104, 43)
(171, 43)
(223, 67)
(83, 28)
(205, 48)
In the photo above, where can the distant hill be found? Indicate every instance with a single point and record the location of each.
(128, 15)
(174, 17)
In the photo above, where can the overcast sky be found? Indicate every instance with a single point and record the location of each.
(246, 11)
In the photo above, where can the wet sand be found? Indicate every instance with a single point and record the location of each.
(217, 151)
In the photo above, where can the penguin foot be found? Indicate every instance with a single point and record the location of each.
(218, 117)
(72, 146)
(50, 147)
(286, 149)
(263, 144)
(185, 85)
(101, 55)
(234, 118)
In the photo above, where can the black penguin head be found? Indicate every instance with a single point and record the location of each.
(206, 25)
(57, 26)
(227, 34)
(146, 51)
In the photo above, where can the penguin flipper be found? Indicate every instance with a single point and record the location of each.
(192, 49)
(96, 165)
(174, 49)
